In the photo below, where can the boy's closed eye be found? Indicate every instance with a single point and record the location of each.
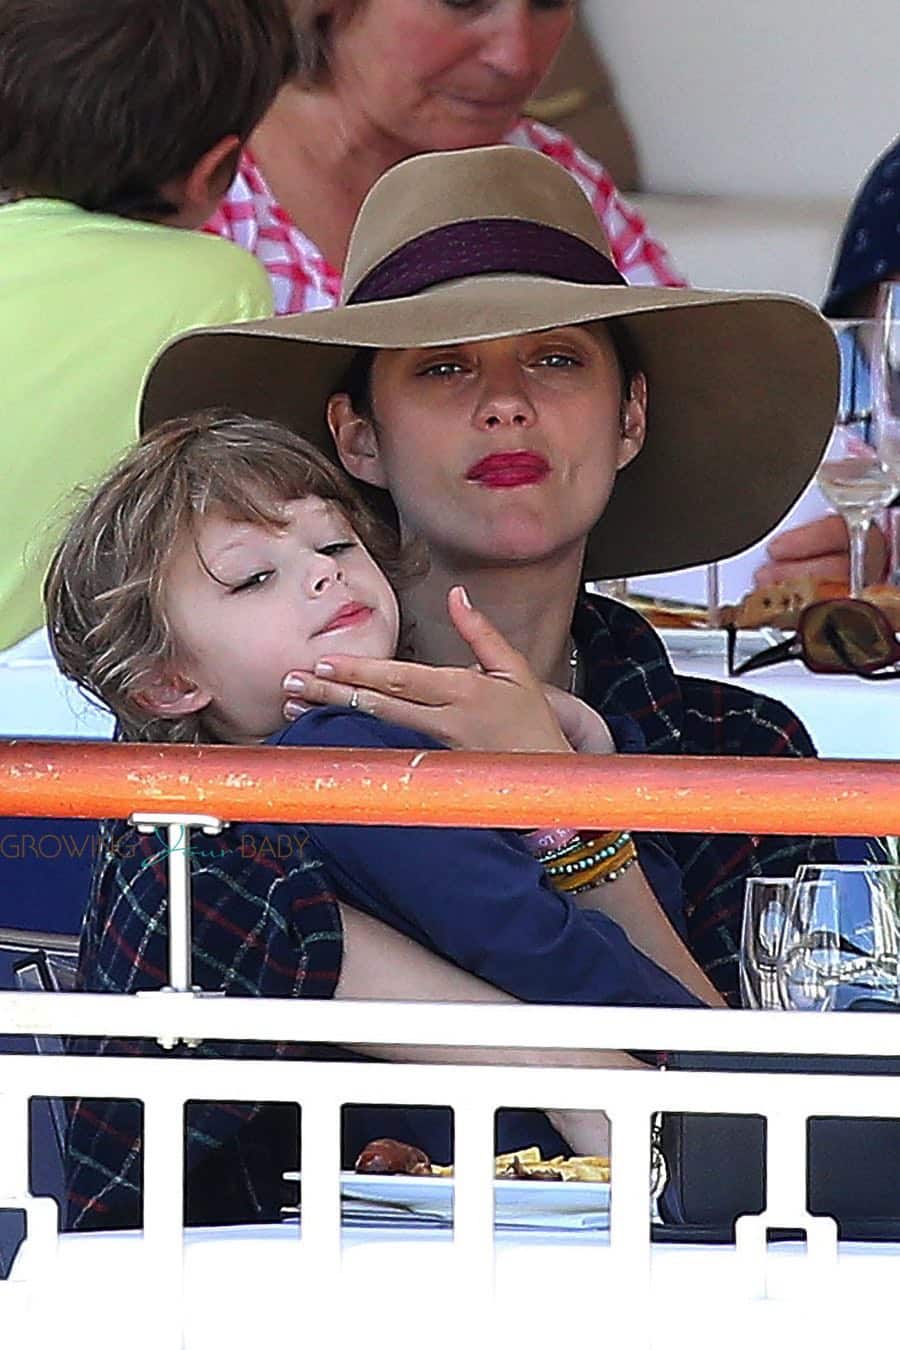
(254, 580)
(251, 582)
(340, 546)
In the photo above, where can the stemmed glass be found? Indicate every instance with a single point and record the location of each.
(806, 969)
(852, 475)
(840, 937)
(886, 400)
(766, 902)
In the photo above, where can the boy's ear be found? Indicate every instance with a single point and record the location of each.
(356, 441)
(170, 695)
(633, 428)
(199, 192)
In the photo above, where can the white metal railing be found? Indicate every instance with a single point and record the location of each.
(629, 1098)
(462, 1272)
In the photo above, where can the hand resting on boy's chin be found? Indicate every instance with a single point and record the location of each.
(497, 705)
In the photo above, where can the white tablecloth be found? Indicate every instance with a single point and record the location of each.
(848, 718)
(245, 1287)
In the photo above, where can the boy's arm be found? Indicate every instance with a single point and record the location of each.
(378, 962)
(476, 896)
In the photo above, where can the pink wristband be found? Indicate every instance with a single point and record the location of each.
(551, 840)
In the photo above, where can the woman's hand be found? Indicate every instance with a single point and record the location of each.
(584, 729)
(501, 706)
(820, 549)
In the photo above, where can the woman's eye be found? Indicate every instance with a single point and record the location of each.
(442, 368)
(340, 546)
(558, 360)
(251, 583)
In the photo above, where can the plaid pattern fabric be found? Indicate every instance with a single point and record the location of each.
(629, 672)
(262, 924)
(303, 280)
(265, 924)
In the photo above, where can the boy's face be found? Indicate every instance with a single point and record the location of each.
(247, 603)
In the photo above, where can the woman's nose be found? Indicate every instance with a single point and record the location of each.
(510, 47)
(505, 404)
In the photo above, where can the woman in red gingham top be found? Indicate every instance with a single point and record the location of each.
(386, 79)
(302, 279)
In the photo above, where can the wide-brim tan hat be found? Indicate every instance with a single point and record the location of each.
(478, 244)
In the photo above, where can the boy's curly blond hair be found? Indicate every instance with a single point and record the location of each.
(103, 591)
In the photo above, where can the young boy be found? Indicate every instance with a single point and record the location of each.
(219, 554)
(118, 118)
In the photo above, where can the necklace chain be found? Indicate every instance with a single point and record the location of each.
(576, 672)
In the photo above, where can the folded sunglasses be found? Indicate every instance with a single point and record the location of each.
(833, 637)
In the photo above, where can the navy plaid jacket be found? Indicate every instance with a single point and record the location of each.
(268, 926)
(629, 672)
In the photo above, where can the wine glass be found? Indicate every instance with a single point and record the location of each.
(807, 964)
(886, 400)
(852, 475)
(840, 947)
(766, 901)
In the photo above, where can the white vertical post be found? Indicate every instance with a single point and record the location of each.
(13, 1145)
(629, 1217)
(320, 1199)
(179, 866)
(713, 595)
(785, 1207)
(178, 836)
(163, 1212)
(473, 1205)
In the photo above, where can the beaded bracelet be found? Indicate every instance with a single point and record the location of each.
(582, 851)
(608, 871)
(593, 861)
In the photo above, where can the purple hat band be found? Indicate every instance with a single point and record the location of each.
(472, 248)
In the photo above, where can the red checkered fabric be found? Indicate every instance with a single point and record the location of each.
(303, 280)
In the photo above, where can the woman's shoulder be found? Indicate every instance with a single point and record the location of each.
(617, 627)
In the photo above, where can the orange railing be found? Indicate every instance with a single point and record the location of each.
(766, 796)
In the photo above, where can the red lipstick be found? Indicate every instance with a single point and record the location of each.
(514, 468)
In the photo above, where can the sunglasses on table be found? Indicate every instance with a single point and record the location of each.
(833, 637)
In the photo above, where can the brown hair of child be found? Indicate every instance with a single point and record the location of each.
(104, 589)
(105, 102)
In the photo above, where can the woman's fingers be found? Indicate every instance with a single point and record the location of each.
(316, 692)
(432, 685)
(490, 648)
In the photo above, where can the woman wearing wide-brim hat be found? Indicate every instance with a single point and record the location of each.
(536, 422)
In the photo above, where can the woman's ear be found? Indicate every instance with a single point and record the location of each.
(355, 439)
(633, 427)
(169, 695)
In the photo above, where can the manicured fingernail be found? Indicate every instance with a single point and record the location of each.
(292, 709)
(464, 596)
(324, 668)
(294, 684)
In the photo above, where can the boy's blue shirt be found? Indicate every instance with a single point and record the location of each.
(477, 896)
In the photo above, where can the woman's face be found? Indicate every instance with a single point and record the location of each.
(443, 75)
(497, 451)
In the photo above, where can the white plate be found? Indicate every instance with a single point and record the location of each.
(713, 641)
(566, 1205)
(557, 1204)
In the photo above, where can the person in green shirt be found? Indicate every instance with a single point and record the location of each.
(119, 119)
